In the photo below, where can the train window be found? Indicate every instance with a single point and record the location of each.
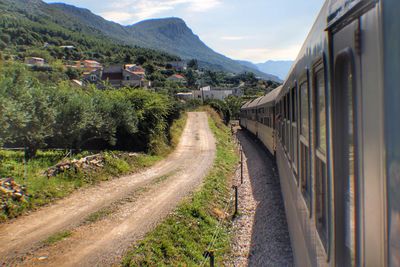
(305, 176)
(321, 183)
(281, 122)
(295, 144)
(304, 110)
(320, 111)
(288, 139)
(345, 161)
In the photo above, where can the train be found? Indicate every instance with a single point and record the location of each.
(334, 130)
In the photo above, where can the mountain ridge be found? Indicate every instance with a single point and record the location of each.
(161, 34)
(279, 68)
(170, 35)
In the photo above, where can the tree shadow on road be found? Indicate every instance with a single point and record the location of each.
(270, 241)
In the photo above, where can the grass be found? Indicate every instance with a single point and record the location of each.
(57, 237)
(42, 191)
(177, 130)
(184, 236)
(100, 214)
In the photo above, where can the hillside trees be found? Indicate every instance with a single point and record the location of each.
(35, 115)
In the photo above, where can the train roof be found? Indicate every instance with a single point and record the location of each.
(254, 103)
(246, 104)
(271, 96)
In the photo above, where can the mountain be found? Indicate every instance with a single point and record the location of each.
(170, 35)
(278, 68)
(27, 26)
(247, 64)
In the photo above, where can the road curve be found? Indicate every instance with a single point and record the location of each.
(103, 243)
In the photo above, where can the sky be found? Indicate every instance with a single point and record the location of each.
(253, 30)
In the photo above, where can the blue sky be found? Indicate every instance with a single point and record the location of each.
(254, 30)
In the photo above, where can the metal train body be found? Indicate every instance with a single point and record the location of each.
(334, 129)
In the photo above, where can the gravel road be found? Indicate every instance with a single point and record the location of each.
(102, 243)
(261, 236)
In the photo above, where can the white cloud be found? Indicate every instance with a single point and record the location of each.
(117, 16)
(202, 5)
(234, 38)
(125, 11)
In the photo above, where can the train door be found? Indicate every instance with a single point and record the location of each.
(346, 89)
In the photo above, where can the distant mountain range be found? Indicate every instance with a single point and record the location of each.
(278, 68)
(170, 35)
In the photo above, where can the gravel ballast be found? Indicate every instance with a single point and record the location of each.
(261, 236)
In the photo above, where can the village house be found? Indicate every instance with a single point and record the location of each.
(113, 75)
(177, 78)
(93, 76)
(178, 65)
(126, 75)
(218, 93)
(34, 61)
(90, 65)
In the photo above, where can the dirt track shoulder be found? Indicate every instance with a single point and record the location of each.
(109, 238)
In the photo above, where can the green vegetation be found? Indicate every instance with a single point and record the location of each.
(38, 29)
(100, 214)
(63, 116)
(42, 190)
(176, 130)
(184, 236)
(57, 237)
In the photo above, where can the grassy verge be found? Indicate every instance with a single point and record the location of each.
(57, 237)
(184, 236)
(42, 190)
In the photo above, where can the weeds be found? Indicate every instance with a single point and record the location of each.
(57, 237)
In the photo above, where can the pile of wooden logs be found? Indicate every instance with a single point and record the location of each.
(9, 189)
(86, 163)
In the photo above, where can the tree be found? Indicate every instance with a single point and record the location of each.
(150, 68)
(29, 114)
(193, 64)
(140, 60)
(234, 104)
(72, 73)
(191, 78)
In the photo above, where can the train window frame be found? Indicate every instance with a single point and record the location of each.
(294, 130)
(305, 155)
(320, 164)
(342, 58)
(287, 124)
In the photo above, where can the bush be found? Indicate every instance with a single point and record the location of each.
(38, 115)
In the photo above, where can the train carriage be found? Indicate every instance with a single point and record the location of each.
(337, 145)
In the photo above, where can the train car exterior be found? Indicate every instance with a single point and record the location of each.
(244, 114)
(266, 120)
(337, 145)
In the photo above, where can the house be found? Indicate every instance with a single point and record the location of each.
(126, 75)
(90, 65)
(34, 61)
(185, 96)
(218, 93)
(68, 47)
(135, 69)
(113, 75)
(177, 78)
(132, 79)
(94, 76)
(178, 65)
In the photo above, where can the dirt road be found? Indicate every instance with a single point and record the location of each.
(103, 242)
